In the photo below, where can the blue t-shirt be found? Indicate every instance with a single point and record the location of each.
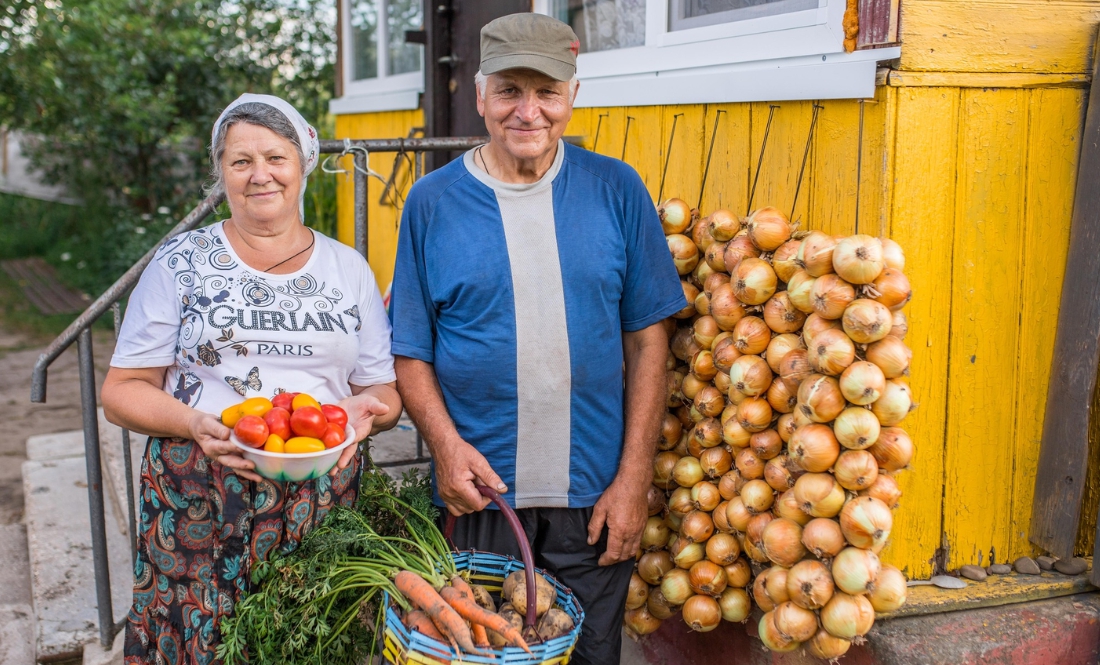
(518, 294)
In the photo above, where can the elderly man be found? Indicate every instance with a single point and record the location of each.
(531, 281)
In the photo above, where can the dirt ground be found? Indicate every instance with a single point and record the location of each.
(22, 419)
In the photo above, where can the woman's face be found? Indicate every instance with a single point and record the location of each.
(262, 174)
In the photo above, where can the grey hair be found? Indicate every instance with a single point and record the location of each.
(251, 113)
(480, 80)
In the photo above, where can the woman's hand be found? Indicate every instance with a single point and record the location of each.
(213, 437)
(362, 410)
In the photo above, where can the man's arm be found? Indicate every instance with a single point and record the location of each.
(623, 506)
(459, 467)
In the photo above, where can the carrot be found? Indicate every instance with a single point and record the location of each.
(470, 610)
(417, 620)
(445, 618)
(481, 638)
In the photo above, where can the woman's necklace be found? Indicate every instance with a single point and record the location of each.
(312, 239)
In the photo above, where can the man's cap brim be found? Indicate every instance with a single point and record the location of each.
(555, 69)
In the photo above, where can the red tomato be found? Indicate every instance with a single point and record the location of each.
(308, 421)
(251, 431)
(335, 415)
(283, 401)
(334, 436)
(278, 422)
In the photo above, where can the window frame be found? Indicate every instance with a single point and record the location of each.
(385, 92)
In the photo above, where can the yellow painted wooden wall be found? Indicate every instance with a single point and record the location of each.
(969, 158)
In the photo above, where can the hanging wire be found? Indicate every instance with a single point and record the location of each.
(599, 125)
(859, 162)
(710, 152)
(805, 155)
(760, 160)
(668, 157)
(626, 135)
(350, 149)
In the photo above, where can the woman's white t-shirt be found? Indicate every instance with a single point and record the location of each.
(227, 332)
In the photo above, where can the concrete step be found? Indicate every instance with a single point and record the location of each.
(16, 615)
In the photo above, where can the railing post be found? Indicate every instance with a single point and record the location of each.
(361, 158)
(127, 465)
(95, 487)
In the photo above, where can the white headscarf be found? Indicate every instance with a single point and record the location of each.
(307, 135)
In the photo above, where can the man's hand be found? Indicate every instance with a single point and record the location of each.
(459, 469)
(213, 437)
(622, 508)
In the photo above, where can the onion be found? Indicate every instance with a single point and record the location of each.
(820, 399)
(738, 574)
(675, 216)
(690, 293)
(766, 444)
(816, 325)
(722, 383)
(779, 347)
(754, 414)
(702, 366)
(749, 465)
(695, 445)
(891, 355)
(855, 570)
(768, 228)
(733, 434)
(722, 548)
(847, 616)
(637, 593)
(701, 613)
(723, 225)
(858, 259)
(892, 254)
(753, 281)
(760, 594)
(830, 296)
(680, 502)
(855, 470)
(794, 622)
(862, 382)
(674, 379)
(725, 353)
(800, 419)
(782, 397)
(653, 566)
(819, 494)
(734, 604)
(813, 448)
(706, 329)
(885, 489)
(891, 289)
(787, 507)
(816, 253)
(658, 605)
(786, 426)
(751, 335)
(684, 253)
(683, 342)
(777, 473)
(757, 496)
(737, 515)
(776, 585)
(755, 530)
(700, 233)
(782, 542)
(901, 325)
(699, 276)
(750, 375)
(866, 321)
(705, 496)
(823, 538)
(676, 585)
(640, 621)
(856, 428)
(785, 260)
(687, 472)
(707, 578)
(771, 636)
(781, 315)
(713, 281)
(809, 584)
(831, 352)
(721, 524)
(826, 646)
(654, 534)
(710, 402)
(893, 450)
(696, 527)
(672, 521)
(890, 590)
(714, 258)
(671, 429)
(685, 554)
(866, 523)
(691, 385)
(662, 469)
(702, 303)
(737, 250)
(800, 291)
(794, 368)
(896, 403)
(655, 500)
(726, 309)
(730, 484)
(716, 462)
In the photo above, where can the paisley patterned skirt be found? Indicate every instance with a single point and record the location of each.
(201, 528)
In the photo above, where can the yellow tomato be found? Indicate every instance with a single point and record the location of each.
(231, 415)
(302, 399)
(255, 406)
(275, 444)
(304, 444)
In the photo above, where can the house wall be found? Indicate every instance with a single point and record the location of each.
(969, 158)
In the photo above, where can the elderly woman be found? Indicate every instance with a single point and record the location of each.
(252, 306)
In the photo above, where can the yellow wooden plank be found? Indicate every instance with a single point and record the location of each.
(645, 138)
(877, 189)
(985, 320)
(987, 80)
(782, 155)
(994, 591)
(1002, 36)
(1053, 147)
(921, 222)
(730, 166)
(685, 154)
(831, 182)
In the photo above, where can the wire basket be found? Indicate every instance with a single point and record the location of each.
(402, 646)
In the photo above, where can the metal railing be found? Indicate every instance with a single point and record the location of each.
(79, 331)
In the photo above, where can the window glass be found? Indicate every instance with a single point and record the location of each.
(686, 14)
(402, 15)
(364, 38)
(603, 25)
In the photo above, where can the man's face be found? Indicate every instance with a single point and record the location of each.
(525, 111)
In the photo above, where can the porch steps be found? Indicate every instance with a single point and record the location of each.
(16, 615)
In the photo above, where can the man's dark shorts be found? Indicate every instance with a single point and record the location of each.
(559, 539)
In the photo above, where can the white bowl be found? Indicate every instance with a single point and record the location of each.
(294, 467)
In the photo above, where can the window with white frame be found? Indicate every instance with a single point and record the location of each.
(381, 72)
(700, 51)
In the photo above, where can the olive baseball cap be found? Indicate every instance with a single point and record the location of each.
(529, 41)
